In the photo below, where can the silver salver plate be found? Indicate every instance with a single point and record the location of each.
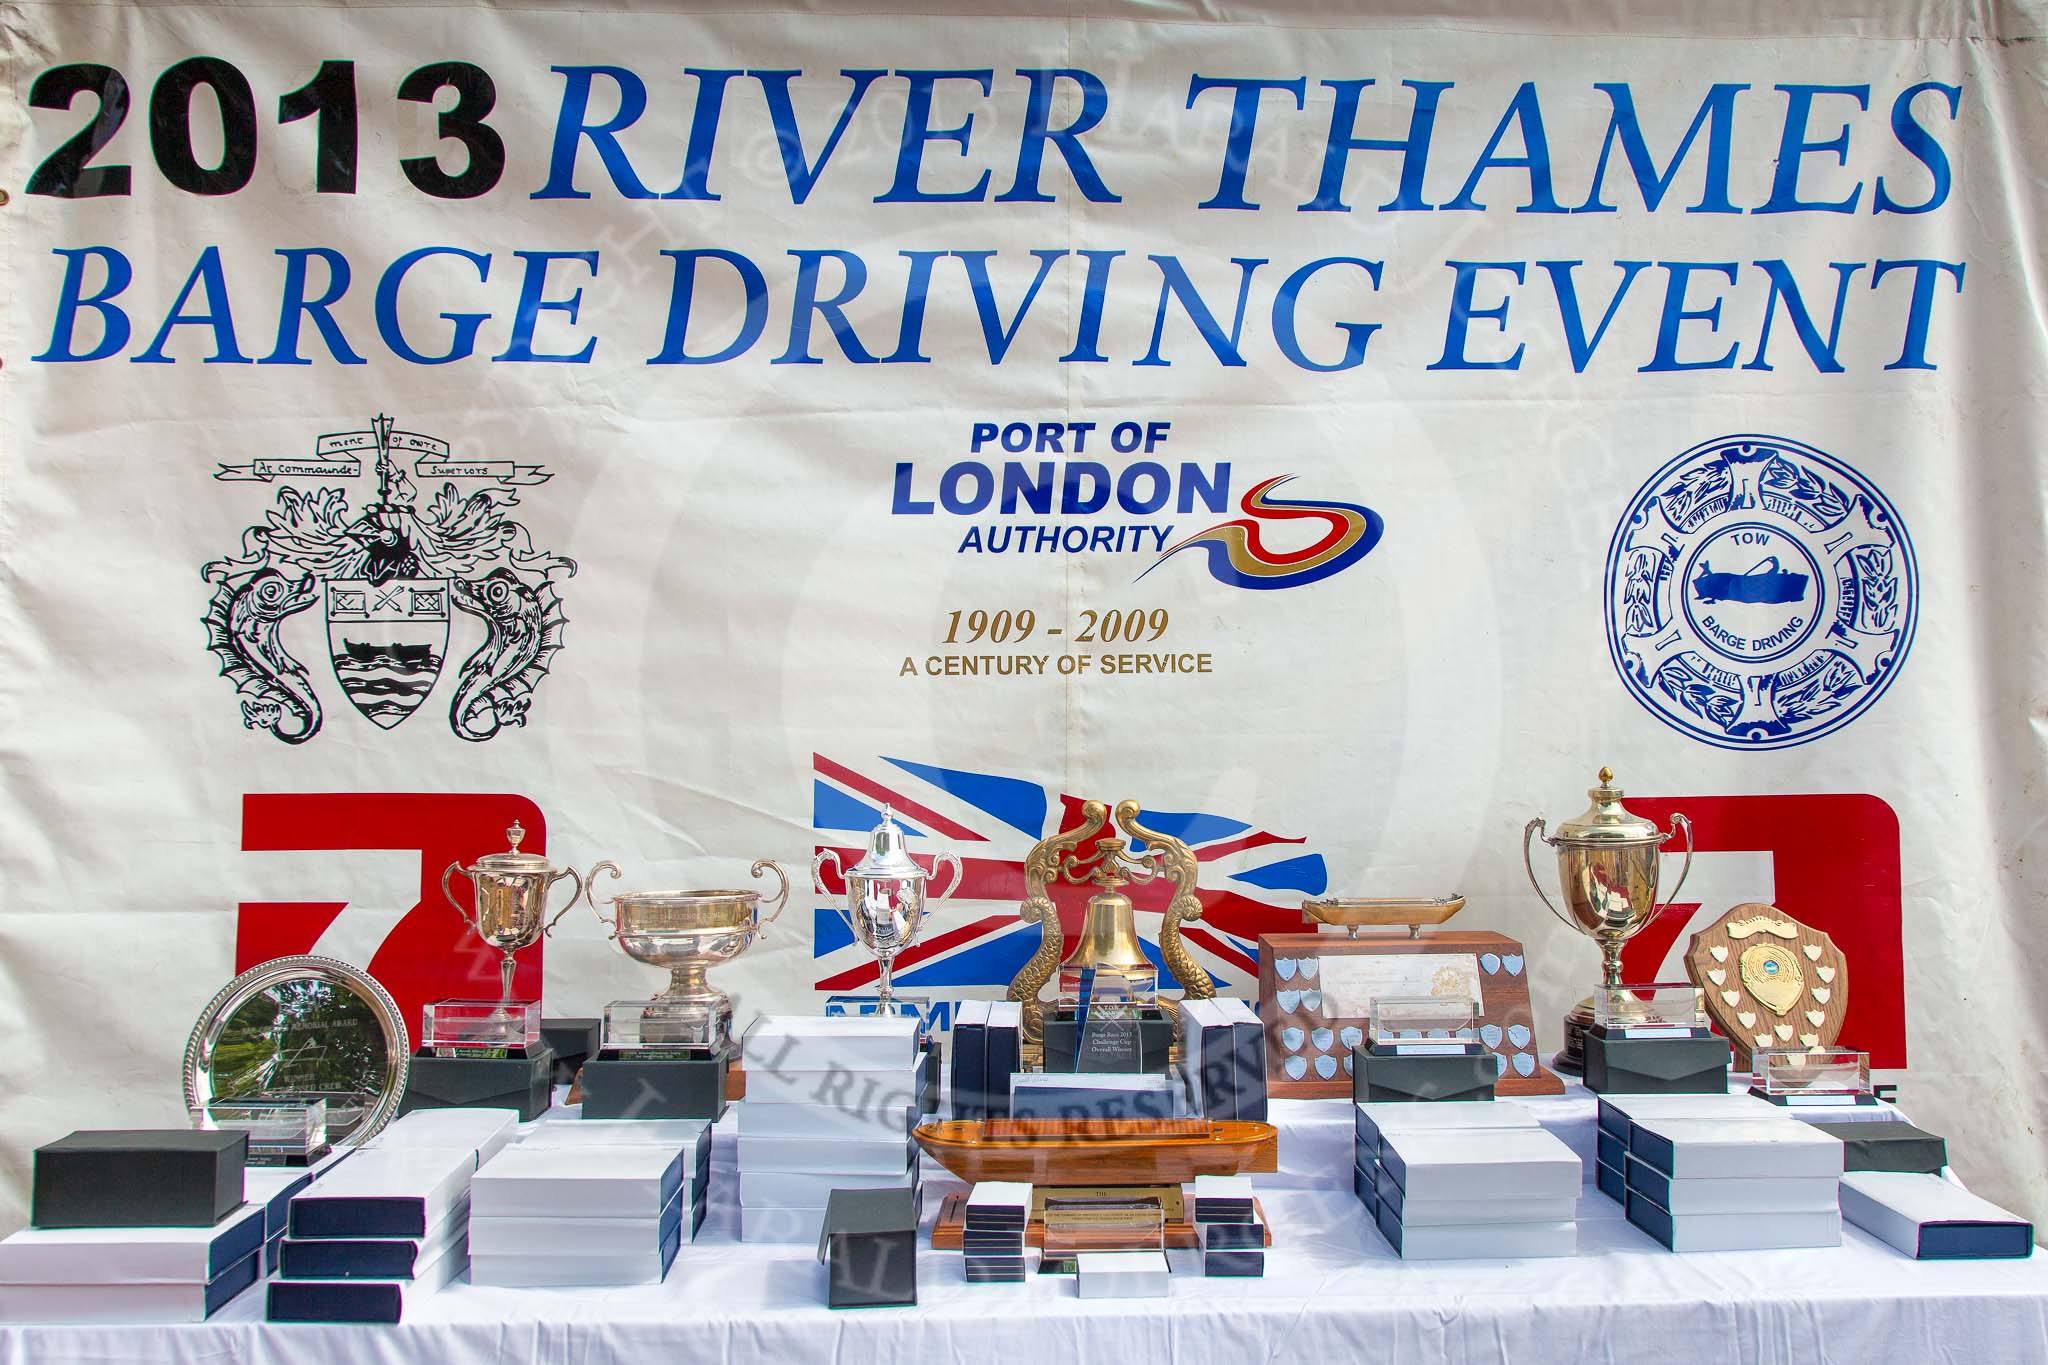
(302, 1028)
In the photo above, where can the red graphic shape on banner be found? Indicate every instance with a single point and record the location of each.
(1835, 863)
(267, 929)
(431, 953)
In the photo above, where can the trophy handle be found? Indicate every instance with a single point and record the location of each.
(946, 858)
(447, 876)
(590, 897)
(1535, 829)
(781, 894)
(574, 896)
(1679, 825)
(818, 880)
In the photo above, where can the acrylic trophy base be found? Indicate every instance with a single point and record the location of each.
(665, 1029)
(480, 1029)
(281, 1132)
(918, 1007)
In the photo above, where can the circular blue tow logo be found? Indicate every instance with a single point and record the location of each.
(1759, 593)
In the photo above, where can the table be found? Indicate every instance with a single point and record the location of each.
(1333, 1292)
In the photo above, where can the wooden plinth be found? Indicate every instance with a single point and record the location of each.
(1294, 1008)
(1181, 1233)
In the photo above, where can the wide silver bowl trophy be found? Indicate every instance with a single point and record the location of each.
(686, 932)
(510, 891)
(886, 896)
(1608, 864)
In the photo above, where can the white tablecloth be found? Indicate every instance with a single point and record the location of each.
(1333, 1293)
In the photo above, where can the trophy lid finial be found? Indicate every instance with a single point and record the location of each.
(887, 853)
(512, 862)
(1606, 820)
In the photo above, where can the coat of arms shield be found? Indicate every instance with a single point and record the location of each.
(387, 641)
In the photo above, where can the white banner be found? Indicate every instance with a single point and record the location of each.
(687, 434)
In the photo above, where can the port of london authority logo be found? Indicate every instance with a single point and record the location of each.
(1760, 593)
(390, 581)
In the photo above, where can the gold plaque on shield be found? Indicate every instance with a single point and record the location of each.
(1789, 986)
(1772, 975)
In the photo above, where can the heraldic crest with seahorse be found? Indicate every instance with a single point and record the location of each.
(388, 579)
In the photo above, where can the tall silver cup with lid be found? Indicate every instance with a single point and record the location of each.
(511, 894)
(886, 896)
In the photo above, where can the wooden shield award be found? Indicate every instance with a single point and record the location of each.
(1769, 981)
(1316, 989)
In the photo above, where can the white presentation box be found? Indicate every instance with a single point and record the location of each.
(783, 1042)
(486, 1132)
(848, 1156)
(1715, 1149)
(1121, 1275)
(591, 1182)
(1500, 1163)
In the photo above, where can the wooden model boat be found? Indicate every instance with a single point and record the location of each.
(1352, 914)
(1097, 1152)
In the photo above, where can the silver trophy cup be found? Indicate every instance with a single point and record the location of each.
(886, 896)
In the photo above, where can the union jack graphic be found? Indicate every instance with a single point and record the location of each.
(1252, 880)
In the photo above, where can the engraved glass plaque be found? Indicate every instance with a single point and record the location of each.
(1822, 1076)
(1661, 1009)
(1074, 1225)
(281, 1132)
(480, 1028)
(1423, 1026)
(1128, 984)
(1105, 1007)
(661, 1029)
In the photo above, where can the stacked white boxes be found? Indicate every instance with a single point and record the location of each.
(1718, 1184)
(992, 1235)
(1227, 1219)
(385, 1228)
(1466, 1180)
(1371, 1121)
(1618, 1114)
(119, 1275)
(388, 1225)
(830, 1104)
(598, 1202)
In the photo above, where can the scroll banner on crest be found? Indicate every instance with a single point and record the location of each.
(687, 434)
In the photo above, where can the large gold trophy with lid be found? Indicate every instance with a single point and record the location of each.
(1608, 864)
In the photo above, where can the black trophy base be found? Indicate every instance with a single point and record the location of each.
(521, 1083)
(622, 1087)
(1655, 1066)
(1377, 1080)
(575, 1041)
(1141, 1043)
(1571, 1058)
